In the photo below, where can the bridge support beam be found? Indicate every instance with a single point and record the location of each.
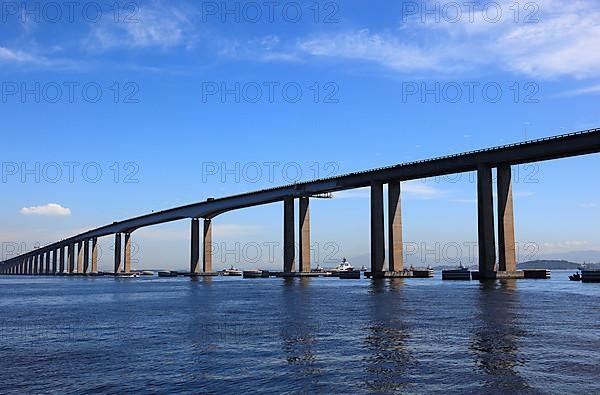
(61, 259)
(71, 258)
(507, 260)
(94, 255)
(47, 262)
(485, 221)
(377, 228)
(117, 253)
(127, 254)
(304, 230)
(396, 259)
(30, 265)
(195, 246)
(37, 263)
(86, 256)
(53, 270)
(80, 257)
(207, 253)
(289, 249)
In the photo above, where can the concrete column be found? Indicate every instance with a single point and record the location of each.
(30, 265)
(289, 253)
(86, 256)
(37, 263)
(117, 253)
(79, 257)
(195, 246)
(71, 258)
(377, 228)
(61, 259)
(47, 262)
(95, 255)
(396, 260)
(127, 254)
(304, 230)
(485, 220)
(207, 247)
(507, 260)
(53, 271)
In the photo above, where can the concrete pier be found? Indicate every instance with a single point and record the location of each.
(127, 254)
(71, 258)
(207, 247)
(94, 255)
(117, 253)
(195, 246)
(61, 259)
(304, 232)
(80, 257)
(289, 253)
(485, 222)
(507, 260)
(30, 265)
(377, 228)
(37, 263)
(395, 260)
(86, 256)
(53, 270)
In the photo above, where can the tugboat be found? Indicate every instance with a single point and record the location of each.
(232, 271)
(345, 266)
(575, 277)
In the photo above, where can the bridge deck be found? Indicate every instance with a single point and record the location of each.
(567, 145)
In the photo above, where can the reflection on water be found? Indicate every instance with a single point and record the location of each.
(495, 340)
(385, 342)
(230, 335)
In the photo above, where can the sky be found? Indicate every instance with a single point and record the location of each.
(115, 109)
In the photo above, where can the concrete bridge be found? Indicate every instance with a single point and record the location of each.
(79, 254)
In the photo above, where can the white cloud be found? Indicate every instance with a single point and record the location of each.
(153, 25)
(589, 90)
(52, 209)
(564, 42)
(18, 56)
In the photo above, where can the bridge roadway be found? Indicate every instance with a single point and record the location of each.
(481, 161)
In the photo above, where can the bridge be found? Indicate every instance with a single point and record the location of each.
(75, 250)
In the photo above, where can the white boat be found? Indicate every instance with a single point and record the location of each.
(345, 266)
(128, 275)
(232, 271)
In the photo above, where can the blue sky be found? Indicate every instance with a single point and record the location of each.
(198, 100)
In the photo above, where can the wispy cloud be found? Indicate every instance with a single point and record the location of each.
(19, 56)
(589, 90)
(564, 42)
(154, 25)
(50, 209)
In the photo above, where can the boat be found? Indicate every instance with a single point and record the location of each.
(127, 275)
(590, 276)
(147, 273)
(421, 272)
(167, 273)
(345, 266)
(256, 273)
(461, 273)
(318, 269)
(575, 277)
(232, 271)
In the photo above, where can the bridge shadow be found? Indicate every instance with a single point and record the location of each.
(495, 338)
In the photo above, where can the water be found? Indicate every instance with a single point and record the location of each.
(218, 335)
